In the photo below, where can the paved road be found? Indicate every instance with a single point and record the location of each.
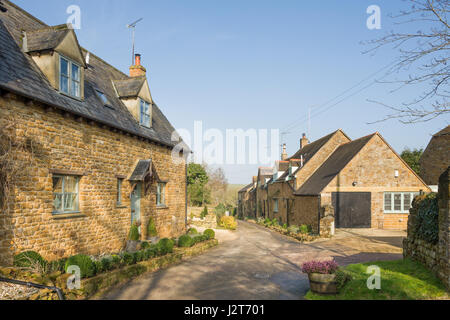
(256, 263)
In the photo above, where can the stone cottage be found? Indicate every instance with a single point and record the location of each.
(247, 199)
(436, 157)
(93, 151)
(365, 181)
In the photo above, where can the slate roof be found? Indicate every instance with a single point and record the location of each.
(246, 188)
(129, 87)
(46, 38)
(311, 149)
(265, 171)
(332, 166)
(20, 75)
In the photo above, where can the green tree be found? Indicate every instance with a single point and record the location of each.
(197, 178)
(412, 157)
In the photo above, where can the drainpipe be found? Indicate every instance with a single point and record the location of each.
(185, 195)
(319, 198)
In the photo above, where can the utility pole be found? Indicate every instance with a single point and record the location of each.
(133, 26)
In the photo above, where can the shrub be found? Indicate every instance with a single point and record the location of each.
(285, 226)
(220, 212)
(150, 252)
(209, 233)
(128, 258)
(107, 264)
(342, 277)
(192, 231)
(98, 267)
(29, 259)
(324, 267)
(228, 223)
(138, 256)
(85, 263)
(294, 229)
(165, 246)
(151, 228)
(116, 261)
(134, 233)
(427, 222)
(304, 229)
(58, 265)
(199, 238)
(204, 213)
(145, 245)
(185, 241)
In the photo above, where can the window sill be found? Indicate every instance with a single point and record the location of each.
(64, 216)
(397, 212)
(121, 206)
(162, 207)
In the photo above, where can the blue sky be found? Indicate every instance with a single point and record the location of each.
(252, 64)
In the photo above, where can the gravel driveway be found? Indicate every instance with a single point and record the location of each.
(256, 263)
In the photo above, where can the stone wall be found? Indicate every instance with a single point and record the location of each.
(209, 222)
(435, 256)
(63, 142)
(326, 223)
(436, 157)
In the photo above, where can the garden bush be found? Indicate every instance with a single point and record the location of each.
(228, 223)
(116, 261)
(107, 263)
(294, 229)
(185, 241)
(84, 262)
(98, 267)
(128, 258)
(134, 233)
(192, 231)
(58, 265)
(204, 213)
(285, 226)
(427, 223)
(151, 228)
(165, 246)
(209, 233)
(29, 259)
(138, 256)
(305, 229)
(151, 252)
(145, 245)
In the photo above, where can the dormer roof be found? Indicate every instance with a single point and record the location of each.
(130, 87)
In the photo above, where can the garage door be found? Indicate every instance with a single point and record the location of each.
(352, 209)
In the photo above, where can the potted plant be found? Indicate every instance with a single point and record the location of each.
(152, 233)
(322, 276)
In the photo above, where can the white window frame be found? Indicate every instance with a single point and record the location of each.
(70, 78)
(77, 199)
(161, 194)
(402, 210)
(142, 112)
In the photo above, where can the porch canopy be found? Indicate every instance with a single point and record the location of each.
(144, 171)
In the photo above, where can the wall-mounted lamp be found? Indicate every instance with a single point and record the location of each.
(355, 183)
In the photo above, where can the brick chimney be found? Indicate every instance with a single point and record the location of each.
(137, 70)
(284, 155)
(303, 141)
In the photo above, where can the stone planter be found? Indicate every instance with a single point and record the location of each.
(132, 246)
(153, 239)
(323, 283)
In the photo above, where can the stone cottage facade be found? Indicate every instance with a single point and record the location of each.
(93, 148)
(436, 157)
(364, 181)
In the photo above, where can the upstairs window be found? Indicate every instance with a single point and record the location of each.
(275, 205)
(145, 114)
(70, 78)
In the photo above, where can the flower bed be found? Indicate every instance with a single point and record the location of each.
(103, 272)
(301, 233)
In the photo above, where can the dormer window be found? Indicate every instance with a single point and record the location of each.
(69, 80)
(145, 114)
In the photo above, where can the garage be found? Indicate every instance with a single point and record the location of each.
(352, 209)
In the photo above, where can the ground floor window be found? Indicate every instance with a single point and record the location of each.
(161, 194)
(65, 194)
(275, 205)
(119, 191)
(398, 202)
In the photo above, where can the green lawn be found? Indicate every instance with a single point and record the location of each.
(400, 280)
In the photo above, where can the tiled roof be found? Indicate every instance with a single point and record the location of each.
(311, 149)
(246, 188)
(332, 166)
(20, 75)
(46, 38)
(129, 87)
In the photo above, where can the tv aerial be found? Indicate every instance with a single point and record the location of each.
(133, 27)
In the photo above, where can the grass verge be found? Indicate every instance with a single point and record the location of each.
(400, 280)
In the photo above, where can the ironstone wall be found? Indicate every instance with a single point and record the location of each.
(435, 256)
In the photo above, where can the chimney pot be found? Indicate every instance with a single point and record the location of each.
(137, 70)
(284, 154)
(137, 59)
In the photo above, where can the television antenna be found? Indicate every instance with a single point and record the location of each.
(133, 26)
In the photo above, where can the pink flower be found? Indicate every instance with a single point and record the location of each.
(324, 267)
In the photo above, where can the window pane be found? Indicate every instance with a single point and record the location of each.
(64, 67)
(75, 73)
(75, 89)
(64, 84)
(57, 202)
(70, 184)
(387, 202)
(119, 190)
(407, 201)
(397, 202)
(70, 202)
(57, 184)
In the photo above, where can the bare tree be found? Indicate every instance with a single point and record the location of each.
(218, 185)
(427, 53)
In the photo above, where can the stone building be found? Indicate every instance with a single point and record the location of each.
(436, 157)
(365, 181)
(264, 176)
(246, 200)
(93, 148)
